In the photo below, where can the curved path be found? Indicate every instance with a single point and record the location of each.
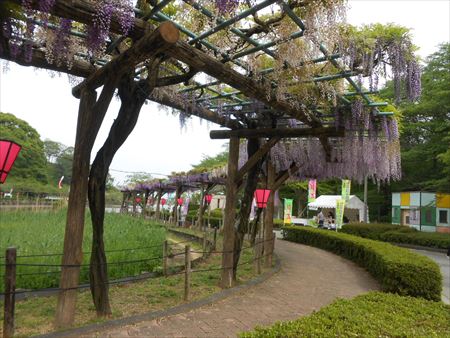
(309, 279)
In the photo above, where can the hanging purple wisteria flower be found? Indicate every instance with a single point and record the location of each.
(226, 6)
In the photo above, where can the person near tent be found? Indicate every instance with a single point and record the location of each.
(330, 218)
(320, 218)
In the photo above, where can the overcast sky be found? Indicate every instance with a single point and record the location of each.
(157, 145)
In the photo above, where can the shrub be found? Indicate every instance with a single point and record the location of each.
(369, 230)
(398, 270)
(429, 239)
(278, 223)
(374, 314)
(398, 234)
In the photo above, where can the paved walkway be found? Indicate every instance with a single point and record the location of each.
(309, 279)
(444, 263)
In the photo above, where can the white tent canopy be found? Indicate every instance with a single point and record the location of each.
(354, 207)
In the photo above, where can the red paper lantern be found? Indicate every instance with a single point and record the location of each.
(261, 196)
(180, 201)
(163, 201)
(8, 154)
(208, 199)
(138, 200)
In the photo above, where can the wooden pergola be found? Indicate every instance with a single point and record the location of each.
(162, 60)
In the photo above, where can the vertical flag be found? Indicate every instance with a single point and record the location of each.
(340, 206)
(312, 185)
(185, 207)
(60, 182)
(346, 189)
(287, 211)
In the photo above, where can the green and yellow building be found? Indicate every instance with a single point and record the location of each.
(425, 211)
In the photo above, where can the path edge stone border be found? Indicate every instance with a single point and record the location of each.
(91, 328)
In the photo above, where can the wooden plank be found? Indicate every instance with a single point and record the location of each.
(230, 214)
(283, 176)
(278, 132)
(253, 160)
(151, 44)
(10, 295)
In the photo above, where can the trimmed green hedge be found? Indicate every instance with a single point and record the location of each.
(398, 234)
(374, 314)
(397, 270)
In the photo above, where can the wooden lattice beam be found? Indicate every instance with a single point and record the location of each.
(277, 132)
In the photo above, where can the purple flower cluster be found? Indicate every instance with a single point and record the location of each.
(358, 154)
(60, 50)
(99, 29)
(225, 7)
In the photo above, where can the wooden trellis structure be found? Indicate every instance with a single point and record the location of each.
(164, 61)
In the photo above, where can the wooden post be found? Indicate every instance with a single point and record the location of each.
(187, 272)
(10, 289)
(215, 239)
(230, 214)
(255, 256)
(268, 215)
(165, 253)
(204, 244)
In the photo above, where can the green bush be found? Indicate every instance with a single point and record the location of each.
(397, 270)
(429, 239)
(398, 234)
(369, 230)
(374, 314)
(278, 223)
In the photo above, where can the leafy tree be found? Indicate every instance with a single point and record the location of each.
(52, 150)
(31, 162)
(211, 162)
(136, 178)
(426, 128)
(63, 164)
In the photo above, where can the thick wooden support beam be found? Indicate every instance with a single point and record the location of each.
(151, 44)
(277, 132)
(203, 62)
(253, 160)
(79, 68)
(230, 215)
(284, 175)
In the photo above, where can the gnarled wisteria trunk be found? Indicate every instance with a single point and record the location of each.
(133, 96)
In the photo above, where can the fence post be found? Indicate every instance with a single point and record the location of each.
(10, 295)
(165, 254)
(260, 249)
(215, 239)
(204, 244)
(256, 255)
(187, 271)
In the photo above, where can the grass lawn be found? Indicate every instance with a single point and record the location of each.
(37, 233)
(35, 315)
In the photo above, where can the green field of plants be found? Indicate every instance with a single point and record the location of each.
(42, 233)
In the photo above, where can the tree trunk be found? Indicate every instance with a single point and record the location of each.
(132, 100)
(90, 118)
(246, 204)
